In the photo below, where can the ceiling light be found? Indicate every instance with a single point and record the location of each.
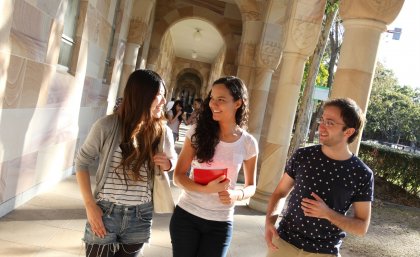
(197, 35)
(194, 54)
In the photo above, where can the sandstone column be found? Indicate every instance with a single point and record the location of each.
(139, 23)
(252, 28)
(268, 55)
(364, 22)
(117, 54)
(302, 36)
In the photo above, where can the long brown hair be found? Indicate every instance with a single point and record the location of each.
(141, 132)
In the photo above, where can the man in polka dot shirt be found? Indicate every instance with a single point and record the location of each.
(326, 180)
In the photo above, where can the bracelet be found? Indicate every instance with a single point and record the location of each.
(243, 194)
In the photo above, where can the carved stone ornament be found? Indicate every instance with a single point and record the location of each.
(137, 32)
(249, 10)
(381, 10)
(270, 53)
(304, 34)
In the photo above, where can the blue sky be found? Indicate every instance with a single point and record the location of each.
(403, 56)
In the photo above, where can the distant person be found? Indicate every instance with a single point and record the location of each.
(324, 181)
(188, 110)
(175, 118)
(119, 212)
(170, 104)
(192, 119)
(202, 222)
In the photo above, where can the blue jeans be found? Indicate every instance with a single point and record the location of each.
(124, 224)
(193, 236)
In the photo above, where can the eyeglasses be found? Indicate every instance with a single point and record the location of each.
(328, 123)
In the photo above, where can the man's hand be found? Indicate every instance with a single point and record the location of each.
(270, 233)
(315, 208)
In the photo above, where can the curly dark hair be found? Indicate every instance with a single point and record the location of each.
(206, 136)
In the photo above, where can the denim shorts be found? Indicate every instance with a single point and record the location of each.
(124, 224)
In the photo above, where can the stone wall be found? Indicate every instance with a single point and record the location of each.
(45, 110)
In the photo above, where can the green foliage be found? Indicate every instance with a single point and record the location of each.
(322, 77)
(397, 167)
(331, 6)
(394, 111)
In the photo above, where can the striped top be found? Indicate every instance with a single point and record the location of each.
(120, 191)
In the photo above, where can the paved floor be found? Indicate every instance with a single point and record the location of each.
(52, 224)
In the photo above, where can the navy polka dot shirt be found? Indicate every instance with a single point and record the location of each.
(338, 183)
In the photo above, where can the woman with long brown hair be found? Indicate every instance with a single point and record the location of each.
(202, 223)
(119, 212)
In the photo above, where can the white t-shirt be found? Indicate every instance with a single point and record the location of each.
(175, 124)
(227, 155)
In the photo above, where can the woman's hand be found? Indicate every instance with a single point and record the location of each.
(219, 184)
(161, 160)
(229, 196)
(94, 217)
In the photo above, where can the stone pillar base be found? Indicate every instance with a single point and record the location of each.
(259, 201)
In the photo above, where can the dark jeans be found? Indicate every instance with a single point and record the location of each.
(193, 236)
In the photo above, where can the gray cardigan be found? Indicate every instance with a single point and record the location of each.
(101, 142)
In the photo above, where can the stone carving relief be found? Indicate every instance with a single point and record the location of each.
(270, 53)
(137, 32)
(310, 11)
(304, 34)
(306, 25)
(383, 10)
(385, 7)
(271, 46)
(249, 10)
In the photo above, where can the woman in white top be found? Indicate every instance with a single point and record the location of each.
(203, 219)
(175, 118)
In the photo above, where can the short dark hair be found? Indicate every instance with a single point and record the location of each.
(199, 100)
(351, 113)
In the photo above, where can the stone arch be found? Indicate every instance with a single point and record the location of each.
(172, 16)
(189, 83)
(175, 15)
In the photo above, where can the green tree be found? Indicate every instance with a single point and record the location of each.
(394, 111)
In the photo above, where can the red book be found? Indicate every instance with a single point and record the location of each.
(204, 176)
